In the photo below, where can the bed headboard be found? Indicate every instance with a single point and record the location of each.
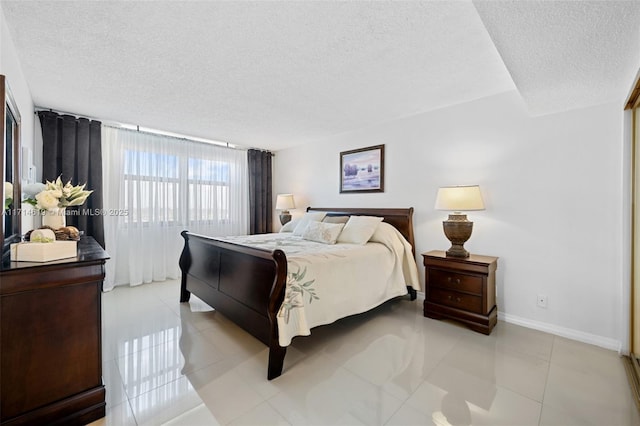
(401, 219)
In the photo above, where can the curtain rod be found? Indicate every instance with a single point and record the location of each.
(148, 131)
(137, 128)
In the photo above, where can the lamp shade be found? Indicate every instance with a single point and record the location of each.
(285, 202)
(459, 198)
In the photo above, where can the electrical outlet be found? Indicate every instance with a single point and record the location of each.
(542, 301)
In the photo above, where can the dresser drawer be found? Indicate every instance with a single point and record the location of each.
(454, 299)
(455, 281)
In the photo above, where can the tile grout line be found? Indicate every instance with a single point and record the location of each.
(546, 381)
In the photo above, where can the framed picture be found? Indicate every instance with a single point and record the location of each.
(362, 170)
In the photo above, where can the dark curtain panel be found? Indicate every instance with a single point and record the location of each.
(260, 194)
(72, 149)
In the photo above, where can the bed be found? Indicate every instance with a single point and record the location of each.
(248, 284)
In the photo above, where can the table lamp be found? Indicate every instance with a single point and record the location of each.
(457, 228)
(284, 202)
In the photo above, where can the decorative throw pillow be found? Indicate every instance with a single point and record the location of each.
(359, 229)
(304, 221)
(322, 232)
(290, 226)
(335, 219)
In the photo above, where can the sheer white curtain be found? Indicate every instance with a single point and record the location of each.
(157, 186)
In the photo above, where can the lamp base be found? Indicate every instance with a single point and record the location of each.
(458, 230)
(457, 251)
(285, 217)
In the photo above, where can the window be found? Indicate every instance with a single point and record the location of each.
(165, 185)
(153, 188)
(208, 196)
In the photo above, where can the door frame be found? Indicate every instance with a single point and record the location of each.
(632, 186)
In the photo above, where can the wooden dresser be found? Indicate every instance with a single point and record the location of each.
(463, 289)
(50, 339)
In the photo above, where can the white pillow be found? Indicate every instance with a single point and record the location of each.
(290, 226)
(322, 232)
(304, 221)
(359, 229)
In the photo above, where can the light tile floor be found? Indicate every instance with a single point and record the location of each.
(184, 364)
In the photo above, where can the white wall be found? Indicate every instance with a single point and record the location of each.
(552, 188)
(11, 68)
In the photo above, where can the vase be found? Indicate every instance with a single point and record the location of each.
(55, 218)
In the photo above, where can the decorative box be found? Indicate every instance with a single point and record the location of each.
(43, 252)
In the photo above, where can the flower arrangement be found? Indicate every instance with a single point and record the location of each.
(52, 195)
(8, 194)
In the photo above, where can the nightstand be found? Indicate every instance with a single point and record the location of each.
(463, 289)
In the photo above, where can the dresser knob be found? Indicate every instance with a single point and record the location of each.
(448, 279)
(457, 280)
(449, 297)
(457, 299)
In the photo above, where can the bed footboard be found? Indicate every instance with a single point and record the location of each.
(245, 284)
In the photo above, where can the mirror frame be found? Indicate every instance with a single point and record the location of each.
(15, 233)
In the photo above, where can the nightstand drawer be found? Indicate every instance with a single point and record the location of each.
(462, 289)
(455, 281)
(454, 299)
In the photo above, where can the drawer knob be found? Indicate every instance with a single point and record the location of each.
(457, 280)
(448, 279)
(449, 297)
(457, 299)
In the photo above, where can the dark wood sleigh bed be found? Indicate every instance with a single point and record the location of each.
(247, 285)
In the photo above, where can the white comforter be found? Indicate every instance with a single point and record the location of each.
(329, 282)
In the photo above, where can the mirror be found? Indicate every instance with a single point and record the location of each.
(10, 170)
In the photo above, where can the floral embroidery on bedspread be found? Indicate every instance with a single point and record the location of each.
(295, 291)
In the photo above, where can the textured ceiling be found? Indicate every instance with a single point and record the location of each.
(566, 54)
(278, 74)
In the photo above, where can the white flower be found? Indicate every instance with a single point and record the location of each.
(47, 200)
(66, 190)
(8, 190)
(8, 194)
(55, 194)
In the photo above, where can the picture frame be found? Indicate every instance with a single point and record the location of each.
(362, 170)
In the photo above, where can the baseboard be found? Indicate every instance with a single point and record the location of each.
(592, 339)
(569, 333)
